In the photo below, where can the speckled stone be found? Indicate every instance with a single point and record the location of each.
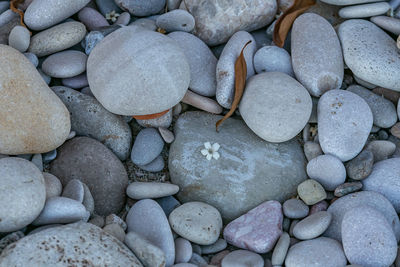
(183, 250)
(364, 10)
(280, 250)
(382, 149)
(257, 230)
(176, 20)
(387, 23)
(311, 192)
(240, 258)
(142, 190)
(141, 9)
(65, 64)
(147, 146)
(273, 58)
(361, 166)
(295, 209)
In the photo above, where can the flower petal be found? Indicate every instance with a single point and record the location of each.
(204, 152)
(215, 147)
(207, 145)
(215, 155)
(209, 157)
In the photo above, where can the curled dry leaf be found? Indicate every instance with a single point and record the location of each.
(240, 81)
(150, 116)
(285, 21)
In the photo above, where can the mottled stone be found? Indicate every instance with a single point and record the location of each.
(347, 188)
(311, 192)
(361, 166)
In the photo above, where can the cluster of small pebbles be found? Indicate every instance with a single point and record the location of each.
(109, 154)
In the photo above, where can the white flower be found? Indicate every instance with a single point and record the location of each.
(210, 151)
(112, 16)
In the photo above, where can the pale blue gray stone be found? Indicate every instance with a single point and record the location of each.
(346, 2)
(295, 208)
(388, 23)
(364, 10)
(280, 250)
(312, 226)
(238, 258)
(74, 190)
(91, 40)
(183, 250)
(216, 247)
(176, 20)
(154, 166)
(19, 38)
(107, 6)
(146, 23)
(4, 5)
(7, 16)
(382, 149)
(123, 19)
(53, 185)
(273, 58)
(76, 82)
(37, 159)
(197, 260)
(312, 150)
(32, 58)
(92, 18)
(261, 38)
(147, 146)
(65, 64)
(141, 8)
(143, 190)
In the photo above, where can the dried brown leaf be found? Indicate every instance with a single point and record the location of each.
(240, 82)
(150, 116)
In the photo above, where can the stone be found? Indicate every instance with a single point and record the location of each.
(158, 61)
(363, 198)
(382, 149)
(32, 58)
(79, 243)
(92, 18)
(312, 150)
(344, 123)
(316, 54)
(91, 40)
(368, 238)
(273, 58)
(19, 38)
(33, 119)
(384, 179)
(43, 14)
(147, 146)
(361, 166)
(218, 246)
(146, 23)
(53, 185)
(242, 258)
(217, 259)
(202, 63)
(141, 9)
(237, 171)
(163, 121)
(115, 230)
(106, 6)
(6, 27)
(166, 134)
(112, 219)
(65, 64)
(387, 23)
(365, 58)
(197, 260)
(295, 209)
(90, 118)
(61, 210)
(148, 254)
(388, 94)
(7, 16)
(46, 78)
(38, 161)
(346, 3)
(263, 97)
(4, 5)
(347, 188)
(97, 220)
(202, 102)
(197, 222)
(123, 19)
(364, 10)
(10, 238)
(395, 130)
(258, 230)
(76, 82)
(176, 20)
(168, 204)
(328, 170)
(23, 193)
(217, 21)
(88, 200)
(321, 251)
(312, 226)
(311, 192)
(142, 190)
(225, 69)
(154, 166)
(183, 250)
(74, 190)
(95, 165)
(185, 265)
(383, 111)
(147, 219)
(280, 250)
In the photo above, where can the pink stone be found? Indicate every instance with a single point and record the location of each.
(320, 206)
(257, 230)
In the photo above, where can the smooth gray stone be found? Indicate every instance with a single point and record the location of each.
(364, 10)
(280, 250)
(53, 185)
(19, 38)
(202, 63)
(312, 150)
(61, 210)
(237, 171)
(361, 166)
(387, 23)
(367, 59)
(43, 14)
(156, 165)
(312, 226)
(44, 227)
(123, 19)
(240, 258)
(114, 219)
(65, 64)
(90, 118)
(321, 251)
(347, 188)
(368, 198)
(183, 250)
(197, 260)
(368, 238)
(382, 149)
(141, 9)
(176, 20)
(146, 23)
(261, 38)
(167, 135)
(218, 246)
(49, 156)
(6, 28)
(74, 190)
(147, 146)
(92, 18)
(115, 230)
(88, 200)
(142, 190)
(295, 209)
(347, 2)
(76, 82)
(168, 204)
(185, 265)
(311, 192)
(46, 78)
(7, 16)
(316, 54)
(383, 110)
(32, 58)
(80, 242)
(364, 83)
(147, 219)
(273, 58)
(38, 161)
(4, 5)
(163, 121)
(106, 6)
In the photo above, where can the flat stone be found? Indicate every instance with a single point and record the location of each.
(295, 209)
(202, 102)
(23, 193)
(79, 242)
(312, 150)
(76, 82)
(257, 230)
(154, 166)
(263, 97)
(241, 258)
(147, 146)
(168, 204)
(19, 38)
(367, 59)
(92, 18)
(344, 123)
(218, 246)
(311, 192)
(280, 250)
(197, 222)
(237, 171)
(95, 165)
(146, 23)
(183, 250)
(140, 8)
(273, 58)
(53, 185)
(347, 188)
(142, 190)
(74, 190)
(364, 10)
(176, 20)
(382, 149)
(65, 64)
(368, 238)
(312, 226)
(361, 166)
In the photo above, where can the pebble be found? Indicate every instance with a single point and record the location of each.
(43, 14)
(53, 185)
(168, 204)
(383, 111)
(115, 230)
(218, 246)
(65, 64)
(238, 169)
(217, 21)
(148, 254)
(292, 225)
(321, 251)
(387, 23)
(367, 59)
(381, 149)
(295, 209)
(242, 258)
(112, 218)
(163, 121)
(146, 23)
(312, 226)
(197, 260)
(32, 58)
(146, 218)
(88, 200)
(7, 16)
(97, 220)
(23, 193)
(142, 190)
(4, 5)
(346, 3)
(388, 94)
(197, 222)
(91, 40)
(395, 130)
(364, 10)
(273, 58)
(347, 188)
(90, 118)
(311, 192)
(226, 65)
(363, 198)
(196, 249)
(217, 258)
(263, 97)
(202, 63)
(76, 82)
(361, 166)
(328, 170)
(147, 146)
(158, 60)
(257, 230)
(10, 238)
(176, 20)
(46, 78)
(166, 134)
(184, 265)
(344, 123)
(368, 238)
(38, 115)
(183, 250)
(202, 102)
(92, 18)
(19, 38)
(141, 9)
(106, 6)
(95, 165)
(155, 166)
(38, 161)
(280, 250)
(74, 190)
(79, 242)
(312, 150)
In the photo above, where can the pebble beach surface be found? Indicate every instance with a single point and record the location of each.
(110, 154)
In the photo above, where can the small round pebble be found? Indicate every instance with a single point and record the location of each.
(183, 250)
(311, 192)
(142, 190)
(53, 185)
(347, 188)
(155, 166)
(280, 250)
(166, 134)
(65, 64)
(242, 258)
(32, 58)
(198, 260)
(361, 166)
(312, 226)
(295, 209)
(273, 58)
(382, 149)
(115, 230)
(176, 20)
(312, 150)
(74, 190)
(214, 248)
(19, 38)
(147, 146)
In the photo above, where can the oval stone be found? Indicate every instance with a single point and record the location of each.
(19, 38)
(141, 190)
(295, 208)
(176, 20)
(273, 58)
(364, 11)
(65, 64)
(147, 146)
(312, 226)
(141, 8)
(240, 258)
(387, 23)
